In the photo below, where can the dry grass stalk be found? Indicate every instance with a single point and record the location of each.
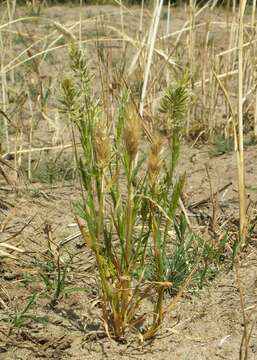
(167, 47)
(30, 150)
(80, 22)
(31, 124)
(255, 114)
(151, 42)
(4, 92)
(253, 20)
(140, 29)
(191, 57)
(240, 157)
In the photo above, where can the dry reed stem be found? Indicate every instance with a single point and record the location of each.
(4, 93)
(240, 157)
(151, 42)
(45, 148)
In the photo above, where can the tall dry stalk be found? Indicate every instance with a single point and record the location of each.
(240, 152)
(122, 23)
(80, 22)
(254, 29)
(4, 92)
(151, 43)
(253, 20)
(255, 112)
(191, 56)
(140, 30)
(31, 122)
(167, 47)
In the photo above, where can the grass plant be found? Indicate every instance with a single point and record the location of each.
(128, 208)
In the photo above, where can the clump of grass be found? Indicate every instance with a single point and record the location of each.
(190, 255)
(34, 9)
(53, 170)
(22, 316)
(128, 208)
(222, 146)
